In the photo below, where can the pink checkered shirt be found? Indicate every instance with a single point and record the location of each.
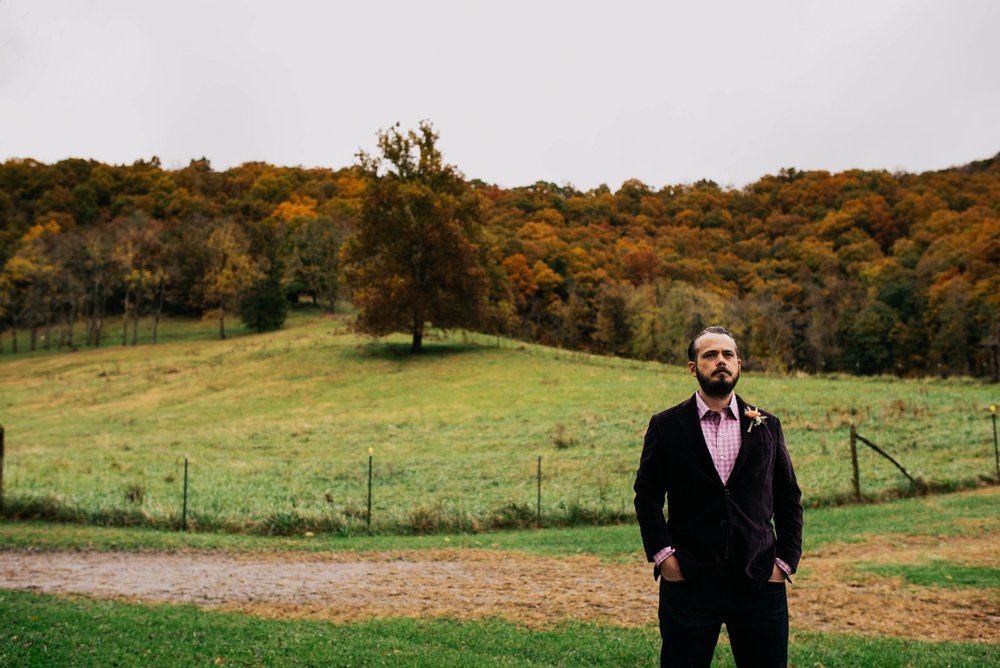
(723, 437)
(722, 434)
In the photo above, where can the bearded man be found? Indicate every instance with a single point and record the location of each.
(723, 469)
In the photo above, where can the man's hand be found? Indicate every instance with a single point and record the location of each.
(670, 569)
(777, 575)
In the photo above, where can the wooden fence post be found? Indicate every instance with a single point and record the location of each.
(538, 519)
(892, 459)
(993, 410)
(1, 467)
(184, 512)
(371, 455)
(854, 463)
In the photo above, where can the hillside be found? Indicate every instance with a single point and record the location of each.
(861, 271)
(277, 428)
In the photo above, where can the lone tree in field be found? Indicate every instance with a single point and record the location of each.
(232, 271)
(415, 256)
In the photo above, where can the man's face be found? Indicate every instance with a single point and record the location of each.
(716, 366)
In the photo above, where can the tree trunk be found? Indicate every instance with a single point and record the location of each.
(418, 336)
(995, 362)
(100, 318)
(125, 320)
(62, 332)
(159, 310)
(135, 319)
(94, 316)
(222, 325)
(13, 340)
(72, 324)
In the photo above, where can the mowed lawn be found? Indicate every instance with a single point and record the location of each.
(72, 631)
(277, 429)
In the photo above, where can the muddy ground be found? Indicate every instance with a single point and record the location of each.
(828, 594)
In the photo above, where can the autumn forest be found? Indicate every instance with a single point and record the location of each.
(860, 271)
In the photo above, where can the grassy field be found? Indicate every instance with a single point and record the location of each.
(44, 630)
(277, 429)
(941, 516)
(48, 631)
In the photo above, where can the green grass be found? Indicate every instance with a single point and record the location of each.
(40, 630)
(972, 514)
(939, 573)
(74, 631)
(966, 513)
(277, 429)
(829, 649)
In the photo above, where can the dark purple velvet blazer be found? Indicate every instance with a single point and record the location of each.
(706, 520)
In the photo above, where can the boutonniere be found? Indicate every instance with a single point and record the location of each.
(756, 419)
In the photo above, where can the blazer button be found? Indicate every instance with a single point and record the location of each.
(722, 523)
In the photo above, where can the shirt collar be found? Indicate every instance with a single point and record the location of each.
(703, 407)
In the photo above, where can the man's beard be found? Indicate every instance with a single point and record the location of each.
(718, 387)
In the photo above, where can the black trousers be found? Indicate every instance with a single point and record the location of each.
(692, 614)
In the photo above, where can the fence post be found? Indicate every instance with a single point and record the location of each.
(184, 512)
(913, 481)
(1, 464)
(371, 454)
(993, 410)
(854, 463)
(539, 506)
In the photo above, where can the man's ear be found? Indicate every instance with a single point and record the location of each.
(691, 367)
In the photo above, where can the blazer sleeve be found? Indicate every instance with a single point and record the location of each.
(650, 492)
(787, 505)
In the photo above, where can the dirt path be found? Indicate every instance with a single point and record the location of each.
(827, 596)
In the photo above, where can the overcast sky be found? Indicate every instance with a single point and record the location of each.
(570, 92)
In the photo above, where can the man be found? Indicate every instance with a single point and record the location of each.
(724, 470)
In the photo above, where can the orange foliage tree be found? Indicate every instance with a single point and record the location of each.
(414, 257)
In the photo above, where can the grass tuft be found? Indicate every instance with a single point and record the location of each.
(939, 573)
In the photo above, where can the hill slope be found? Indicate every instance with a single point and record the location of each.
(277, 428)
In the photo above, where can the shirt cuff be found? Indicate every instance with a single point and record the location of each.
(660, 556)
(785, 567)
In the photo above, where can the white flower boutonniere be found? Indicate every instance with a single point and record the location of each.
(756, 419)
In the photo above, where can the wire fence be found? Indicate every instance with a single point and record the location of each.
(280, 496)
(371, 492)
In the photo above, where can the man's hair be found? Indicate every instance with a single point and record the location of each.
(714, 329)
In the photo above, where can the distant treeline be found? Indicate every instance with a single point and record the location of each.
(860, 271)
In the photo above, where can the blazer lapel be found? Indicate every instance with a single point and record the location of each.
(746, 438)
(695, 438)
